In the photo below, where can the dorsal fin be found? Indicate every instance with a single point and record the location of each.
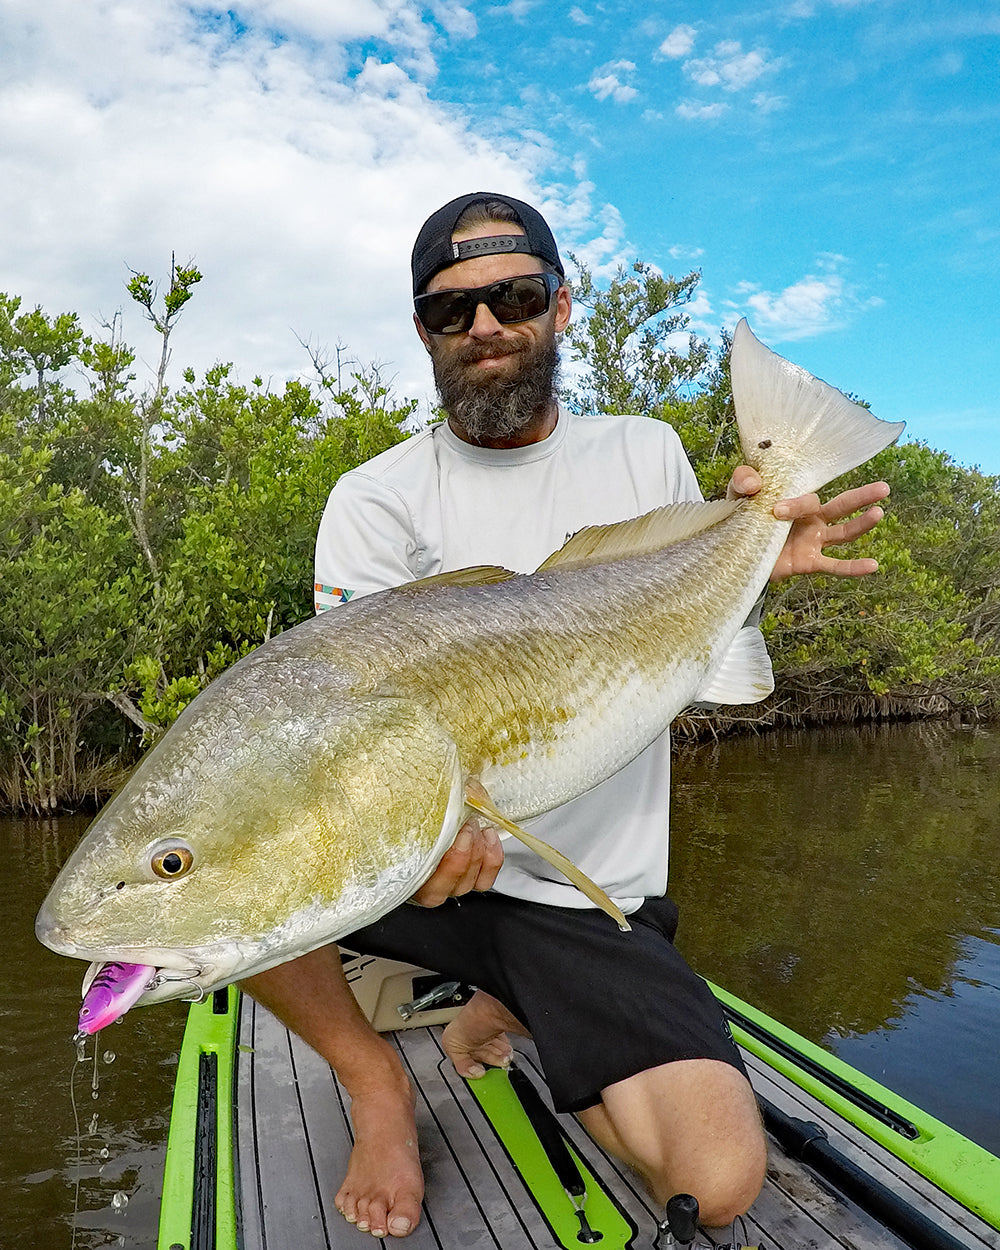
(478, 575)
(600, 544)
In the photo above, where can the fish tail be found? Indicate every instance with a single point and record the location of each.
(789, 418)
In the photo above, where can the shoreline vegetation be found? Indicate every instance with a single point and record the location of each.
(153, 534)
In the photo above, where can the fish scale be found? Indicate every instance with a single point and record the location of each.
(316, 784)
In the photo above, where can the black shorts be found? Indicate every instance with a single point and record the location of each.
(601, 1005)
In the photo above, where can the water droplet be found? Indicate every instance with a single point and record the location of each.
(93, 1123)
(94, 1094)
(80, 1042)
(109, 1056)
(119, 1201)
(105, 1152)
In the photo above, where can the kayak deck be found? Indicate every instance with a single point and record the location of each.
(260, 1138)
(296, 1147)
(293, 1139)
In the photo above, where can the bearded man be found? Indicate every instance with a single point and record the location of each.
(630, 1039)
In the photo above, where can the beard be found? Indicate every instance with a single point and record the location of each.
(496, 405)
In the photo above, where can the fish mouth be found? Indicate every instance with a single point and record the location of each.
(187, 981)
(178, 973)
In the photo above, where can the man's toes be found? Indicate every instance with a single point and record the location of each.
(376, 1219)
(403, 1216)
(400, 1226)
(345, 1204)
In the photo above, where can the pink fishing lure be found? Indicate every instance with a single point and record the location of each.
(114, 989)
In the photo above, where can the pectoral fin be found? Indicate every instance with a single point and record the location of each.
(479, 801)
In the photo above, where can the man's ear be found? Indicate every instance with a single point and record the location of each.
(564, 308)
(425, 338)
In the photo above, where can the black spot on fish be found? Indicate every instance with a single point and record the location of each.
(765, 444)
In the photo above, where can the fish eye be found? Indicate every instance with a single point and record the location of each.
(172, 860)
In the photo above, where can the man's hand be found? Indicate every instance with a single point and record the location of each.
(814, 526)
(471, 863)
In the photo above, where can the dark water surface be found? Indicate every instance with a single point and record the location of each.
(846, 882)
(39, 1002)
(843, 881)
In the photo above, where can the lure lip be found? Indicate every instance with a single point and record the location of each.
(126, 986)
(110, 988)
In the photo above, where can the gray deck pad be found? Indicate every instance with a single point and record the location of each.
(293, 1141)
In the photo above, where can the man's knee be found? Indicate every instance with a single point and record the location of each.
(725, 1187)
(689, 1127)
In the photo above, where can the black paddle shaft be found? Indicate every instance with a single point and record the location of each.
(808, 1142)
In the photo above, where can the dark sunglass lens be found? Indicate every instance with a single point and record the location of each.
(446, 312)
(518, 299)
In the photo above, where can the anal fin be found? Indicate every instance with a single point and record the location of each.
(479, 801)
(745, 674)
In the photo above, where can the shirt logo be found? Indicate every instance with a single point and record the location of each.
(324, 595)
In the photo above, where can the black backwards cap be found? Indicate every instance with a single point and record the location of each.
(434, 249)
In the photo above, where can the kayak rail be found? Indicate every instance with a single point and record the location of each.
(960, 1168)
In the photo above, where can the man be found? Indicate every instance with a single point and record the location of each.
(635, 1045)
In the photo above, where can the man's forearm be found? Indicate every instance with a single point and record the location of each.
(310, 996)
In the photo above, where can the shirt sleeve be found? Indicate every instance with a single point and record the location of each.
(366, 542)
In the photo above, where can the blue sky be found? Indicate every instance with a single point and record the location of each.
(831, 168)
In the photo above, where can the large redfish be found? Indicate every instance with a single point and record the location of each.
(315, 785)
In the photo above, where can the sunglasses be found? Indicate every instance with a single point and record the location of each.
(510, 300)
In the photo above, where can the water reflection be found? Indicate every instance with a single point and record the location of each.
(843, 881)
(942, 1045)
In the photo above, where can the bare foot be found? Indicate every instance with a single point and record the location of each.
(478, 1036)
(384, 1185)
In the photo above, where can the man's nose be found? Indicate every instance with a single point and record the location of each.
(484, 324)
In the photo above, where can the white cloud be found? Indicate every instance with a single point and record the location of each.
(455, 18)
(800, 310)
(704, 319)
(330, 24)
(730, 67)
(694, 110)
(679, 42)
(294, 171)
(820, 301)
(765, 103)
(607, 82)
(603, 255)
(577, 15)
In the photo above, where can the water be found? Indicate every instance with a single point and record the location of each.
(123, 1130)
(843, 881)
